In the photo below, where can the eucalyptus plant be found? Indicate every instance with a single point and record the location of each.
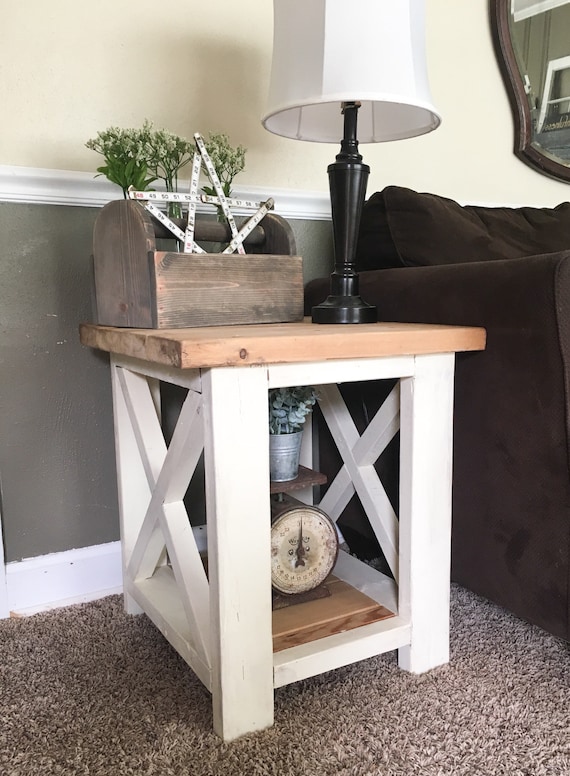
(289, 408)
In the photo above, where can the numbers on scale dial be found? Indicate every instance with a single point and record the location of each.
(304, 546)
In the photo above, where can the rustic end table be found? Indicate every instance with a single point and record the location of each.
(219, 618)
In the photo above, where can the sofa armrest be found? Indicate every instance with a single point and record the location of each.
(524, 304)
(511, 493)
(477, 293)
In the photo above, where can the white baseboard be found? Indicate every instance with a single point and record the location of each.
(63, 578)
(4, 608)
(68, 187)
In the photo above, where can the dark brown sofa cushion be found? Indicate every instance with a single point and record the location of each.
(401, 227)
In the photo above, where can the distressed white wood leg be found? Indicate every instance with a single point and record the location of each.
(236, 458)
(165, 523)
(151, 450)
(132, 482)
(166, 520)
(425, 510)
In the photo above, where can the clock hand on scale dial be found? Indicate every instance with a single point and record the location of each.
(300, 551)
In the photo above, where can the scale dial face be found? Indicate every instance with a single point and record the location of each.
(304, 549)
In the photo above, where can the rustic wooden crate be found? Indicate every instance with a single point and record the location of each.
(136, 285)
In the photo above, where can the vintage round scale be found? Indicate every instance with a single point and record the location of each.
(304, 541)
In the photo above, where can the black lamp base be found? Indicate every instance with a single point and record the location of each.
(344, 309)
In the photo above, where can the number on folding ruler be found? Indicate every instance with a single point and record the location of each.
(164, 196)
(167, 196)
(213, 175)
(206, 199)
(176, 231)
(191, 223)
(249, 226)
(193, 198)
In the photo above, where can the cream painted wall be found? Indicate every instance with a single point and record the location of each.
(68, 69)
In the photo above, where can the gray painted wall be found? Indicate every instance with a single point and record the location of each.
(57, 464)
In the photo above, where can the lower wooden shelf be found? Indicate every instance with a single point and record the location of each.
(357, 626)
(344, 609)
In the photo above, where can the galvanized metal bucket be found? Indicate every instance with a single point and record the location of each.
(284, 453)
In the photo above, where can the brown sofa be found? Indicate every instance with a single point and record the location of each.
(424, 258)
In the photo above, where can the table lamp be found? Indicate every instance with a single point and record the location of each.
(337, 63)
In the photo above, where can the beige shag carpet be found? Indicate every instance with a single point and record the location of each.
(89, 690)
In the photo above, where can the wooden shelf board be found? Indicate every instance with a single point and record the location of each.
(374, 583)
(345, 609)
(340, 649)
(305, 478)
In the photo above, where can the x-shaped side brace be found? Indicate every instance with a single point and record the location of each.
(168, 472)
(358, 474)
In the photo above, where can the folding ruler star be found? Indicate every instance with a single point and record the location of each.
(201, 157)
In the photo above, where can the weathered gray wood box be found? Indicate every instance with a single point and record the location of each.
(138, 286)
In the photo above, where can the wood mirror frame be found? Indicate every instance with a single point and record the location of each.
(526, 148)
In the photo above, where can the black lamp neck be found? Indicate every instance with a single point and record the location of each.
(349, 143)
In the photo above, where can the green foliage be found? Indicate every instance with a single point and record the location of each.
(227, 161)
(168, 154)
(126, 157)
(138, 157)
(289, 407)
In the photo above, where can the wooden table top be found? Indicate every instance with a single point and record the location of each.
(275, 343)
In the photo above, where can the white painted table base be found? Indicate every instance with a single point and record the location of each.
(221, 625)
